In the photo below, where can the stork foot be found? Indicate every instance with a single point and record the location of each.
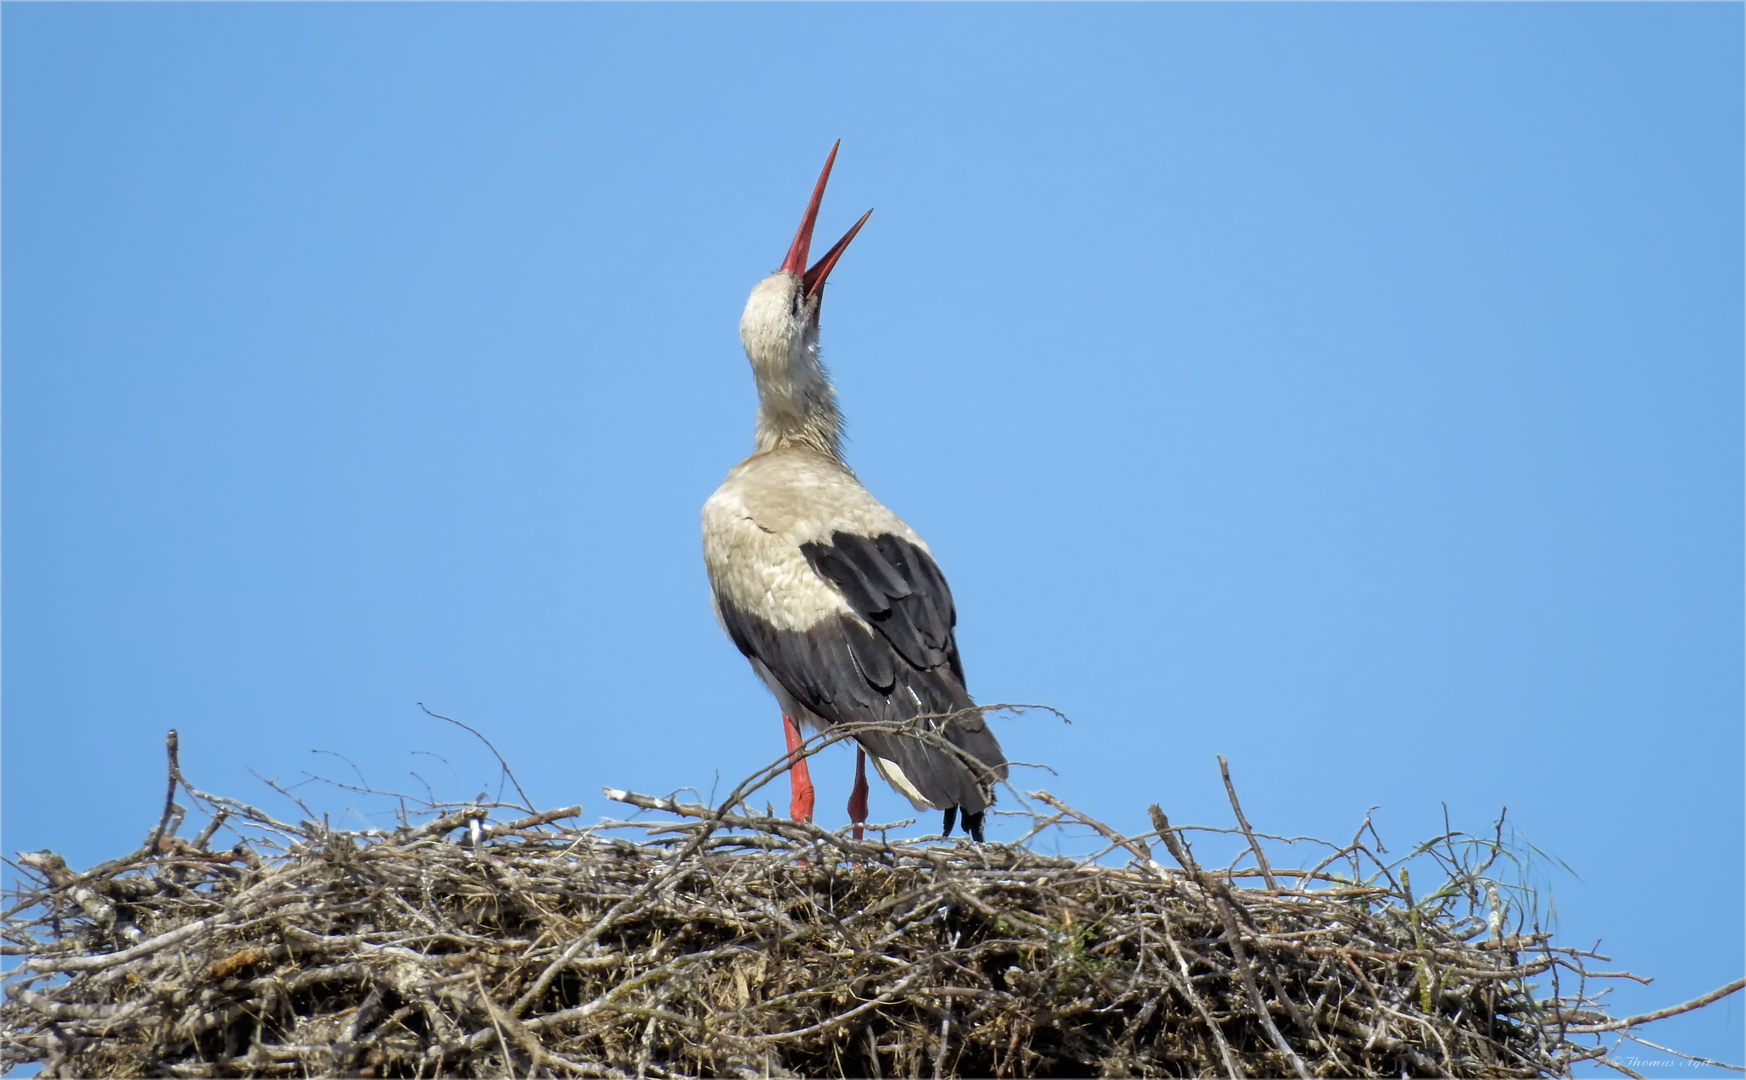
(951, 820)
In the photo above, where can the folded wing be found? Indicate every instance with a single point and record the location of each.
(893, 659)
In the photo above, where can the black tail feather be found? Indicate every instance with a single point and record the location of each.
(973, 824)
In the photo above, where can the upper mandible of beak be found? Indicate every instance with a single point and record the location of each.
(813, 280)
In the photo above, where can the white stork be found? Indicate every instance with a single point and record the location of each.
(835, 601)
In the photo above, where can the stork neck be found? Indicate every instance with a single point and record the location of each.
(797, 406)
(816, 423)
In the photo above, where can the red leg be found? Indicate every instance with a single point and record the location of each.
(858, 796)
(799, 780)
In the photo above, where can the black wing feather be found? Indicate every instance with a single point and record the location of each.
(905, 666)
(910, 660)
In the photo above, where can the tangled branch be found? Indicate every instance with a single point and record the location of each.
(703, 940)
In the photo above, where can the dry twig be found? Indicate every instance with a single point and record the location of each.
(723, 942)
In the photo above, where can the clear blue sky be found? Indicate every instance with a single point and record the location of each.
(1355, 391)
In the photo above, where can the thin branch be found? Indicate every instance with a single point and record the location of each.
(1678, 1053)
(527, 803)
(1661, 1014)
(1243, 823)
(175, 773)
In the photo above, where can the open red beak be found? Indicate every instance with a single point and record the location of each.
(813, 279)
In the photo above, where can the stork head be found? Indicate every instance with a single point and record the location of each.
(780, 323)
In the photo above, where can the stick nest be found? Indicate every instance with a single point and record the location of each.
(703, 942)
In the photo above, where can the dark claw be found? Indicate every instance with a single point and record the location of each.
(952, 819)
